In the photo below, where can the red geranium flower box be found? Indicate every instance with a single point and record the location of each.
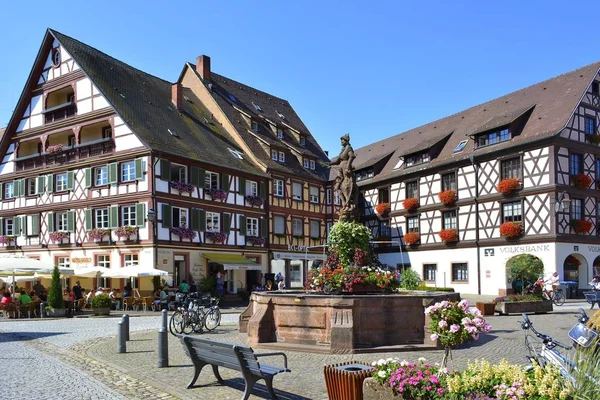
(511, 229)
(410, 204)
(581, 226)
(411, 238)
(383, 209)
(448, 235)
(508, 185)
(447, 197)
(581, 181)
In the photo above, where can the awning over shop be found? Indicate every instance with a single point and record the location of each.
(233, 261)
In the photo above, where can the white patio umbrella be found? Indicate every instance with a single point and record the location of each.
(132, 272)
(89, 272)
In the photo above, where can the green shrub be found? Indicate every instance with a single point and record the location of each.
(524, 267)
(208, 285)
(422, 286)
(345, 237)
(55, 297)
(409, 279)
(101, 301)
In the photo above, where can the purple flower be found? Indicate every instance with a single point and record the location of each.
(454, 328)
(434, 336)
(442, 324)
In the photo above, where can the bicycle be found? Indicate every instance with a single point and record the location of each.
(558, 297)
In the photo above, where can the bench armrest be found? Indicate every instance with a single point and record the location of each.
(274, 354)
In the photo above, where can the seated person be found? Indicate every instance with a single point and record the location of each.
(33, 296)
(24, 298)
(89, 296)
(160, 298)
(99, 291)
(116, 301)
(44, 296)
(595, 283)
(8, 304)
(269, 285)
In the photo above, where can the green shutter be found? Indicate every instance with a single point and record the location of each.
(113, 217)
(40, 182)
(202, 177)
(1, 191)
(225, 182)
(24, 225)
(139, 169)
(165, 170)
(49, 183)
(88, 178)
(70, 180)
(195, 176)
(262, 227)
(50, 221)
(242, 190)
(1, 226)
(20, 187)
(202, 220)
(35, 224)
(89, 220)
(242, 229)
(71, 221)
(167, 216)
(17, 226)
(140, 214)
(226, 222)
(113, 173)
(262, 192)
(194, 220)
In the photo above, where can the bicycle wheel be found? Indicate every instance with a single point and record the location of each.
(176, 323)
(198, 326)
(212, 319)
(530, 344)
(558, 298)
(188, 323)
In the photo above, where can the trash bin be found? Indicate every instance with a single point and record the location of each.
(344, 381)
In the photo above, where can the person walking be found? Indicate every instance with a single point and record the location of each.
(77, 291)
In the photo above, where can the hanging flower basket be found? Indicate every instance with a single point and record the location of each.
(511, 229)
(215, 237)
(508, 185)
(126, 231)
(581, 181)
(217, 194)
(183, 232)
(58, 236)
(383, 209)
(182, 187)
(57, 148)
(98, 234)
(255, 240)
(448, 235)
(410, 204)
(254, 201)
(7, 239)
(581, 226)
(448, 197)
(412, 238)
(593, 139)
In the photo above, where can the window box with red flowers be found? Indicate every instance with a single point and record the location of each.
(412, 238)
(581, 181)
(57, 148)
(410, 204)
(509, 185)
(511, 230)
(60, 237)
(448, 197)
(581, 226)
(448, 235)
(383, 209)
(126, 232)
(215, 237)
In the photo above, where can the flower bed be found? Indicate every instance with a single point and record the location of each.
(511, 229)
(448, 235)
(182, 187)
(383, 209)
(412, 238)
(254, 201)
(448, 197)
(58, 236)
(217, 194)
(183, 232)
(255, 240)
(410, 204)
(57, 148)
(508, 185)
(215, 237)
(581, 181)
(581, 226)
(7, 239)
(98, 234)
(347, 279)
(126, 231)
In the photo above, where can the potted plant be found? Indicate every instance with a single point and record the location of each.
(581, 181)
(581, 226)
(56, 305)
(182, 187)
(511, 230)
(448, 197)
(412, 238)
(217, 194)
(183, 232)
(522, 303)
(508, 186)
(98, 234)
(8, 240)
(410, 204)
(255, 240)
(101, 304)
(448, 235)
(126, 232)
(57, 148)
(383, 209)
(59, 236)
(215, 237)
(254, 201)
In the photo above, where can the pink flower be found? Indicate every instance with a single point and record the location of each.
(454, 328)
(434, 337)
(442, 324)
(487, 328)
(475, 336)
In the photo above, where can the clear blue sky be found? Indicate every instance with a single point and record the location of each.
(373, 69)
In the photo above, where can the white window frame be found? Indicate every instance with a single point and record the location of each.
(328, 196)
(61, 221)
(251, 188)
(63, 262)
(274, 155)
(9, 227)
(315, 227)
(294, 195)
(213, 222)
(314, 198)
(61, 182)
(312, 164)
(252, 226)
(278, 188)
(101, 176)
(281, 156)
(275, 225)
(302, 141)
(336, 198)
(210, 178)
(297, 227)
(182, 219)
(103, 260)
(9, 190)
(128, 215)
(127, 171)
(101, 218)
(305, 163)
(31, 185)
(131, 260)
(181, 172)
(280, 133)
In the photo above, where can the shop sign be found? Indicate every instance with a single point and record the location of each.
(297, 256)
(540, 248)
(81, 260)
(296, 247)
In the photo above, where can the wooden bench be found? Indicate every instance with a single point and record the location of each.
(593, 297)
(238, 357)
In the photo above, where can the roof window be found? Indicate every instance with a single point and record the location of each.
(461, 146)
(256, 106)
(232, 98)
(237, 154)
(280, 114)
(173, 133)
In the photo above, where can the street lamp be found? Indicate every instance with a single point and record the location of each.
(562, 202)
(151, 215)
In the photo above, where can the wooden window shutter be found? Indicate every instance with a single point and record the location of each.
(242, 225)
(226, 222)
(262, 192)
(165, 170)
(40, 183)
(50, 221)
(88, 178)
(139, 169)
(167, 216)
(89, 220)
(71, 221)
(242, 190)
(262, 226)
(50, 183)
(225, 182)
(20, 188)
(113, 173)
(140, 214)
(17, 226)
(1, 190)
(24, 225)
(194, 220)
(202, 220)
(113, 217)
(70, 180)
(1, 226)
(195, 177)
(35, 224)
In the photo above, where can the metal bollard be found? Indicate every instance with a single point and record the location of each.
(126, 322)
(163, 342)
(121, 343)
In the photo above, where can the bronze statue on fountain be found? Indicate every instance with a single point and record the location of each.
(345, 182)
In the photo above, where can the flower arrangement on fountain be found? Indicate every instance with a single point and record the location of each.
(254, 201)
(383, 209)
(58, 236)
(410, 204)
(57, 148)
(7, 239)
(581, 226)
(215, 237)
(581, 181)
(183, 232)
(448, 197)
(126, 231)
(508, 185)
(182, 187)
(98, 234)
(511, 229)
(255, 240)
(217, 194)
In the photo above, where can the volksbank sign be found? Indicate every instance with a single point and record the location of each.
(540, 248)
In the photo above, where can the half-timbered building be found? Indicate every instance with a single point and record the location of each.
(456, 198)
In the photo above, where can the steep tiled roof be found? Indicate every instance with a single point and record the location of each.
(2, 130)
(232, 96)
(144, 103)
(552, 103)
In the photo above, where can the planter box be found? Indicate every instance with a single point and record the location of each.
(102, 311)
(486, 308)
(372, 390)
(524, 307)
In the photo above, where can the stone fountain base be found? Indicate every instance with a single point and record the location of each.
(322, 323)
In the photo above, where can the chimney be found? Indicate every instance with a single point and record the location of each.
(176, 95)
(203, 67)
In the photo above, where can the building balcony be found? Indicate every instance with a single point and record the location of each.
(66, 155)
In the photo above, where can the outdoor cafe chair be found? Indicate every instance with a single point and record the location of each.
(128, 303)
(148, 303)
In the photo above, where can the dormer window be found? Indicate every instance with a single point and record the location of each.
(302, 141)
(280, 133)
(280, 114)
(364, 174)
(254, 126)
(416, 159)
(281, 156)
(305, 163)
(487, 139)
(256, 106)
(274, 155)
(312, 164)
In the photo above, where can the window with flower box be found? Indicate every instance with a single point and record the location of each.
(314, 194)
(429, 272)
(278, 188)
(101, 218)
(412, 224)
(590, 125)
(278, 225)
(383, 195)
(296, 191)
(180, 217)
(449, 181)
(131, 260)
(62, 221)
(460, 272)
(101, 176)
(511, 168)
(251, 188)
(178, 173)
(576, 164)
(211, 180)
(252, 227)
(213, 222)
(449, 219)
(297, 227)
(412, 189)
(512, 212)
(128, 216)
(576, 209)
(128, 171)
(315, 229)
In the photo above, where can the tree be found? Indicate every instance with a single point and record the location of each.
(55, 297)
(524, 267)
